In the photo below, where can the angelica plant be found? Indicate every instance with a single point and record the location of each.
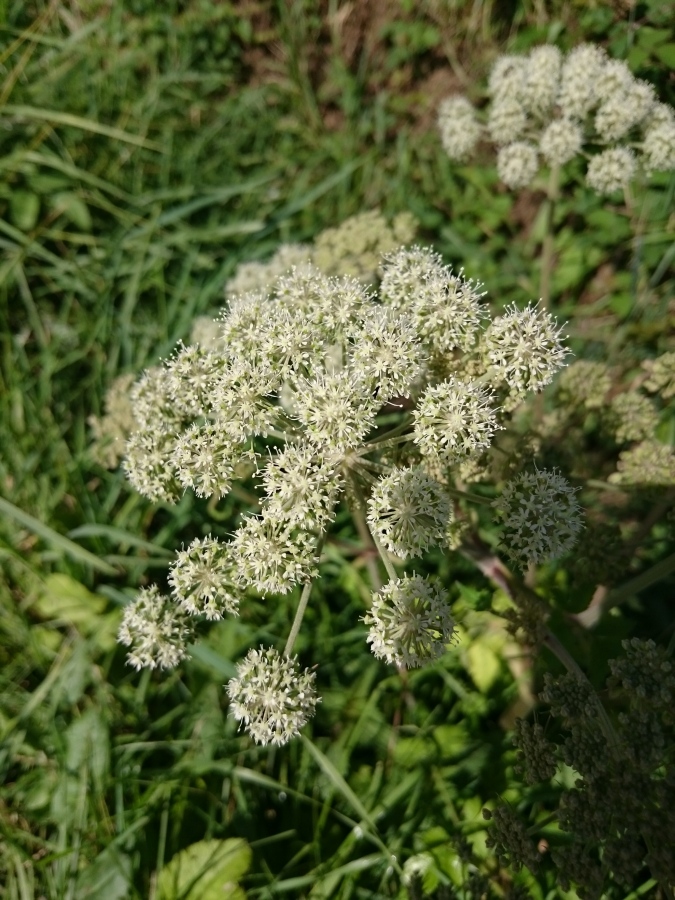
(546, 109)
(333, 394)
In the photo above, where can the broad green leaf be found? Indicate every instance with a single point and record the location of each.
(88, 743)
(415, 751)
(109, 877)
(207, 870)
(65, 598)
(483, 664)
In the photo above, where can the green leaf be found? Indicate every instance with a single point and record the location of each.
(87, 742)
(108, 876)
(65, 598)
(483, 664)
(24, 207)
(53, 537)
(207, 870)
(73, 208)
(666, 54)
(415, 751)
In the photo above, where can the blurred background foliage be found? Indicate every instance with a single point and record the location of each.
(145, 151)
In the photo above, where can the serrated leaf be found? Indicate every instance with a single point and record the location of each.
(207, 870)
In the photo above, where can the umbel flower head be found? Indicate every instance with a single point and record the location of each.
(546, 107)
(454, 420)
(409, 512)
(204, 580)
(541, 517)
(271, 697)
(525, 348)
(157, 630)
(410, 622)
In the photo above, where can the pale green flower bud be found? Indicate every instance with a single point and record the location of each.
(541, 517)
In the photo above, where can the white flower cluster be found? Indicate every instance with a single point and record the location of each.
(295, 398)
(548, 107)
(271, 696)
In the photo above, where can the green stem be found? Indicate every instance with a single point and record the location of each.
(391, 433)
(297, 621)
(384, 556)
(554, 645)
(465, 495)
(548, 245)
(388, 442)
(359, 516)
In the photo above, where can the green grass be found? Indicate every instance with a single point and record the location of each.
(143, 155)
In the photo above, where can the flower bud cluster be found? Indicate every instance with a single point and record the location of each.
(546, 108)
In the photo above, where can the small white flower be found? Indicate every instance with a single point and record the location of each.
(580, 72)
(336, 410)
(517, 164)
(272, 557)
(149, 464)
(624, 110)
(507, 76)
(205, 457)
(409, 512)
(560, 141)
(203, 579)
(611, 170)
(459, 128)
(524, 346)
(157, 630)
(388, 353)
(614, 78)
(506, 119)
(659, 148)
(410, 622)
(453, 420)
(409, 276)
(271, 696)
(541, 517)
(301, 487)
(542, 80)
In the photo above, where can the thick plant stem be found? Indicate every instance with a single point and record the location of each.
(297, 621)
(548, 244)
